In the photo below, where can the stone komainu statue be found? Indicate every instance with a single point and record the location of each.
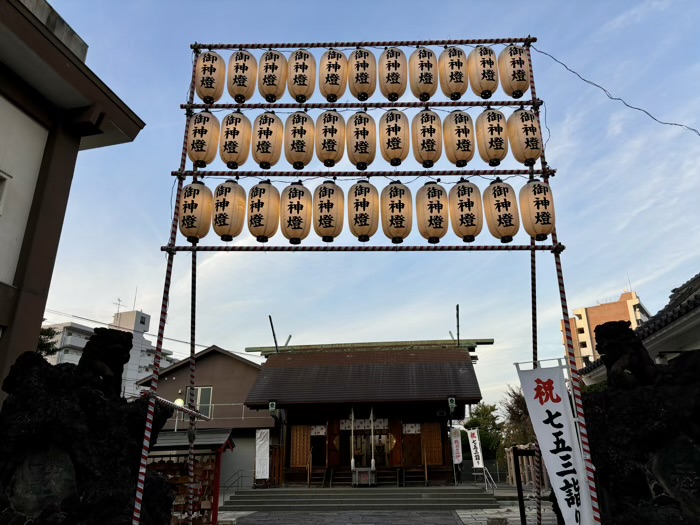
(627, 361)
(105, 355)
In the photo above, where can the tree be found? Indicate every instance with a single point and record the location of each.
(485, 418)
(47, 345)
(517, 427)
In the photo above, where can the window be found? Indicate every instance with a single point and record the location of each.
(583, 344)
(202, 399)
(142, 320)
(4, 183)
(581, 330)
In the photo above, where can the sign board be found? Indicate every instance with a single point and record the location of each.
(456, 441)
(262, 453)
(475, 447)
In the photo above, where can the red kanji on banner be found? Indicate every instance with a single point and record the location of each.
(544, 391)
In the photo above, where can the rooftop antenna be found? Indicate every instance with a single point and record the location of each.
(277, 348)
(118, 303)
(135, 294)
(287, 341)
(457, 325)
(451, 336)
(629, 283)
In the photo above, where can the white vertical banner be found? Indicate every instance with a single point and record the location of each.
(456, 440)
(475, 447)
(550, 412)
(262, 453)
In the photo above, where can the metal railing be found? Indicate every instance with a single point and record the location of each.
(235, 481)
(231, 411)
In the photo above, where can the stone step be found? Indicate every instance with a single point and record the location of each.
(358, 505)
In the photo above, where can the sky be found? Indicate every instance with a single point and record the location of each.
(625, 189)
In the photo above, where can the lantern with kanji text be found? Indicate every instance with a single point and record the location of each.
(394, 136)
(295, 212)
(397, 211)
(452, 67)
(393, 73)
(524, 136)
(263, 211)
(333, 75)
(363, 210)
(268, 134)
(482, 67)
(426, 130)
(330, 138)
(329, 210)
(235, 139)
(301, 75)
(272, 75)
(466, 214)
(210, 77)
(229, 210)
(242, 75)
(492, 136)
(203, 138)
(513, 70)
(196, 208)
(501, 210)
(361, 134)
(362, 73)
(537, 209)
(432, 211)
(299, 139)
(423, 68)
(459, 138)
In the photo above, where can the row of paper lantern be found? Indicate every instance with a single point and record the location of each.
(297, 208)
(454, 71)
(330, 136)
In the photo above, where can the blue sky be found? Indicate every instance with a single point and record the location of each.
(625, 191)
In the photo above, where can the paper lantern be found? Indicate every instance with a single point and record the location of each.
(333, 75)
(492, 136)
(242, 75)
(362, 73)
(229, 210)
(361, 134)
(393, 73)
(329, 210)
(452, 67)
(299, 139)
(458, 135)
(427, 137)
(363, 210)
(513, 70)
(330, 138)
(301, 75)
(210, 77)
(432, 211)
(268, 134)
(196, 208)
(483, 71)
(466, 213)
(524, 136)
(295, 212)
(397, 211)
(537, 209)
(423, 68)
(235, 140)
(394, 136)
(501, 210)
(263, 211)
(272, 75)
(203, 138)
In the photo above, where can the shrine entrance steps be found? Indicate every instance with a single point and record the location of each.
(360, 498)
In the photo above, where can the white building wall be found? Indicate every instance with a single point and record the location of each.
(21, 152)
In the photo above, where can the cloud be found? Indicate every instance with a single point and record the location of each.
(635, 15)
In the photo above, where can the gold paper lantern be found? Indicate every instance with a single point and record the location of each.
(229, 210)
(203, 138)
(427, 137)
(299, 139)
(362, 73)
(514, 71)
(263, 211)
(295, 212)
(268, 134)
(501, 210)
(466, 213)
(330, 138)
(524, 136)
(432, 211)
(196, 208)
(482, 67)
(363, 210)
(423, 68)
(333, 75)
(210, 77)
(492, 136)
(394, 136)
(272, 75)
(235, 140)
(397, 211)
(459, 138)
(242, 75)
(329, 210)
(452, 66)
(361, 134)
(537, 209)
(393, 73)
(301, 75)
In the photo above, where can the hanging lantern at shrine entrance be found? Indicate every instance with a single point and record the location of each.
(329, 210)
(210, 77)
(330, 138)
(203, 138)
(432, 211)
(393, 73)
(466, 213)
(333, 75)
(394, 137)
(537, 209)
(514, 71)
(299, 139)
(235, 140)
(501, 209)
(492, 136)
(272, 75)
(427, 137)
(459, 138)
(452, 66)
(362, 74)
(524, 136)
(229, 210)
(423, 68)
(263, 211)
(483, 71)
(363, 210)
(268, 134)
(301, 75)
(361, 134)
(397, 211)
(242, 76)
(196, 208)
(295, 212)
